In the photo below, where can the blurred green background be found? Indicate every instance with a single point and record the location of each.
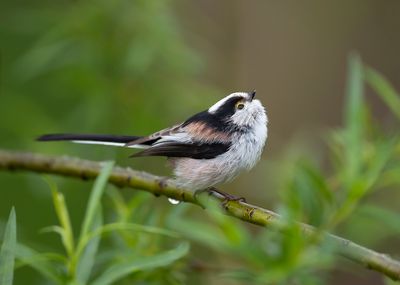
(133, 67)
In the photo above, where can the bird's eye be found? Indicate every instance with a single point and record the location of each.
(239, 106)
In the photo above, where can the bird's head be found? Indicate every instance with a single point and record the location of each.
(240, 109)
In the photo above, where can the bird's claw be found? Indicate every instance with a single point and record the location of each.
(226, 196)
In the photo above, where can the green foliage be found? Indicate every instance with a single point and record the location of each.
(75, 66)
(365, 156)
(80, 265)
(250, 255)
(121, 269)
(95, 57)
(7, 251)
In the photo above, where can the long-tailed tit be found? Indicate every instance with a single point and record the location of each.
(210, 147)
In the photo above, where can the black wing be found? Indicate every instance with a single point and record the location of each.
(191, 150)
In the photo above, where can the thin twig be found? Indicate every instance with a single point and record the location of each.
(126, 177)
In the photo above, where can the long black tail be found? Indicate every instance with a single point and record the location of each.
(90, 138)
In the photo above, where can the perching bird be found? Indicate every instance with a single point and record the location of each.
(209, 148)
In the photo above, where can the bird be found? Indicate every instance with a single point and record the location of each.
(209, 148)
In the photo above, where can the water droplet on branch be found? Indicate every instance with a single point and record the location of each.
(173, 201)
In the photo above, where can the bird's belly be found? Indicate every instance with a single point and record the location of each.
(197, 174)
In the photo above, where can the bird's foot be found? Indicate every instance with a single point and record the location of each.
(226, 196)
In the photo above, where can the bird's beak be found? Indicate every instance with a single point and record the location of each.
(252, 95)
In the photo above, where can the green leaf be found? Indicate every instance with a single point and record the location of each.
(377, 163)
(44, 263)
(95, 196)
(124, 268)
(384, 89)
(354, 118)
(7, 252)
(61, 209)
(132, 227)
(230, 230)
(87, 258)
(309, 193)
(87, 250)
(201, 232)
(385, 217)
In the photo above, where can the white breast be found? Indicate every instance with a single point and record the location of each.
(246, 150)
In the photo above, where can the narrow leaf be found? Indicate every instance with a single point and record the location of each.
(86, 250)
(44, 263)
(354, 117)
(61, 209)
(118, 271)
(384, 152)
(385, 217)
(7, 252)
(87, 258)
(130, 227)
(384, 89)
(95, 197)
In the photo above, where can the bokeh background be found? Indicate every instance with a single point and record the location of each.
(133, 67)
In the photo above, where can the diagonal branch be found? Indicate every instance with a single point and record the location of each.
(126, 177)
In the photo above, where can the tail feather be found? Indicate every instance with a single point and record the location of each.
(90, 139)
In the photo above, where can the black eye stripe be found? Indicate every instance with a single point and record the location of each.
(232, 101)
(229, 107)
(218, 119)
